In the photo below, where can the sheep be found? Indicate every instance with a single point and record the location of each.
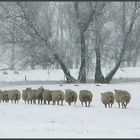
(47, 96)
(31, 95)
(4, 96)
(107, 98)
(123, 97)
(70, 96)
(57, 95)
(14, 95)
(39, 94)
(86, 97)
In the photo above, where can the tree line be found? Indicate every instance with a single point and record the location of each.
(84, 35)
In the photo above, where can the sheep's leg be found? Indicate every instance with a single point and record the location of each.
(109, 105)
(41, 101)
(122, 104)
(61, 102)
(119, 104)
(15, 101)
(82, 103)
(105, 105)
(44, 101)
(48, 102)
(53, 102)
(57, 102)
(85, 104)
(69, 103)
(89, 104)
(125, 104)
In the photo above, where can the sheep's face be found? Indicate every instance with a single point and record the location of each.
(41, 88)
(117, 91)
(28, 88)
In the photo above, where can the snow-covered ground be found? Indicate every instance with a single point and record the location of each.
(57, 75)
(52, 121)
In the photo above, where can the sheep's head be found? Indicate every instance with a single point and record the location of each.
(115, 90)
(28, 88)
(41, 88)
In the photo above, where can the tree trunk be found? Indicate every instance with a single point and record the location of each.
(135, 57)
(129, 57)
(99, 78)
(69, 78)
(70, 63)
(110, 75)
(82, 71)
(76, 62)
(56, 65)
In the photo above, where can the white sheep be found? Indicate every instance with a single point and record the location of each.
(107, 98)
(4, 96)
(85, 96)
(57, 95)
(70, 96)
(14, 95)
(47, 96)
(31, 95)
(123, 97)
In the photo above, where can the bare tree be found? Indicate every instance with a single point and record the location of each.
(125, 40)
(83, 21)
(43, 34)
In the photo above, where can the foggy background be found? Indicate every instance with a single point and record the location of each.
(92, 37)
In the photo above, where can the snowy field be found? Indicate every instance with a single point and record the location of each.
(52, 121)
(58, 75)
